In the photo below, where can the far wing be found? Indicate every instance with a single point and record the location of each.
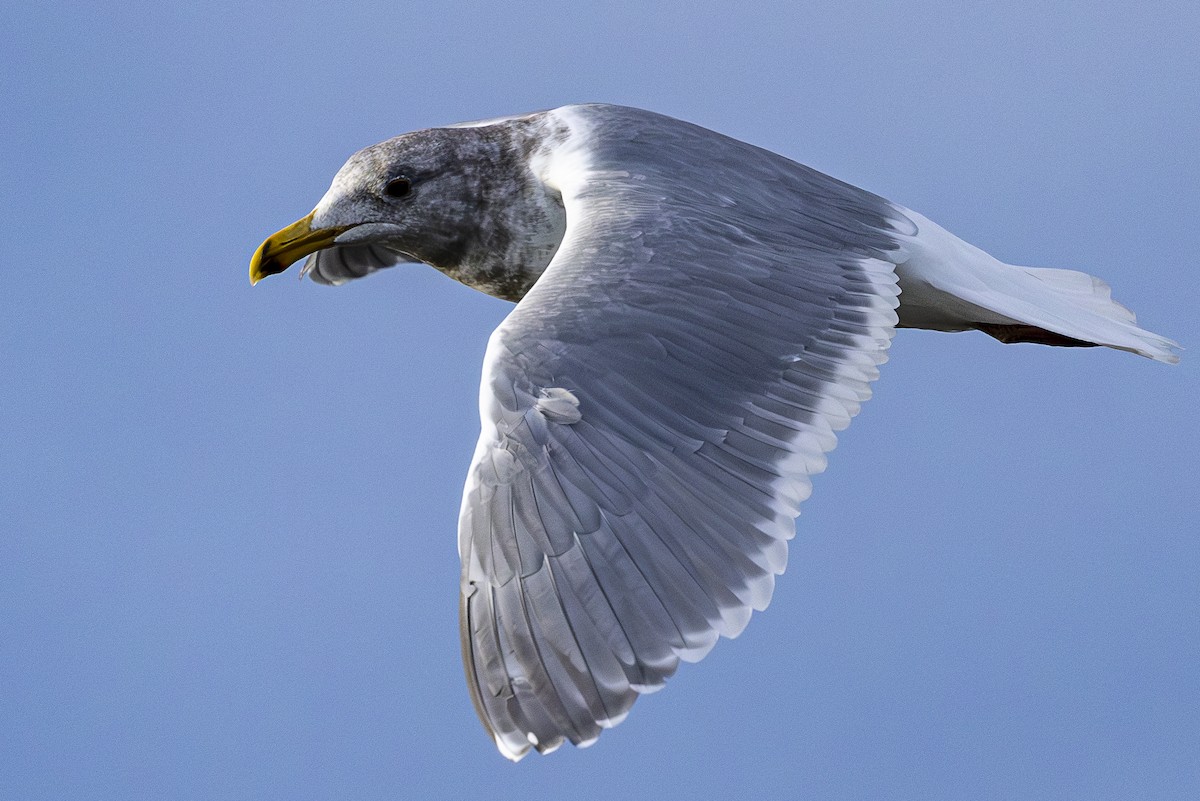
(652, 412)
(341, 263)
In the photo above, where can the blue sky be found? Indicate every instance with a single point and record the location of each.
(228, 568)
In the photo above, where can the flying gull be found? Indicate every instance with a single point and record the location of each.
(696, 317)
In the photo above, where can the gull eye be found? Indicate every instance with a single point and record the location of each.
(397, 187)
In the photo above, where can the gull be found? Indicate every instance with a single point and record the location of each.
(695, 320)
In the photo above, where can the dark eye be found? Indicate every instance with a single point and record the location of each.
(397, 187)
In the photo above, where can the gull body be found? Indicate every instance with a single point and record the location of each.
(696, 317)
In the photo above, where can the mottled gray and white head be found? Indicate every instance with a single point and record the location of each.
(463, 199)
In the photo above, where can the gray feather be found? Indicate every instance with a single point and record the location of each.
(337, 265)
(652, 411)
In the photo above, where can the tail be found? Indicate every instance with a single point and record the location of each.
(947, 284)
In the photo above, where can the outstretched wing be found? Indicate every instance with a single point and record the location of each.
(652, 411)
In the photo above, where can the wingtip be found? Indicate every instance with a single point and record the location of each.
(512, 755)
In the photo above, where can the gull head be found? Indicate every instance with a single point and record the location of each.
(464, 200)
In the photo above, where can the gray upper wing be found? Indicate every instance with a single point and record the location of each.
(652, 411)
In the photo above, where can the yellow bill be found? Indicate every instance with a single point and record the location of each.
(284, 248)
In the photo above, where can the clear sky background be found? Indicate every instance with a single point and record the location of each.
(228, 565)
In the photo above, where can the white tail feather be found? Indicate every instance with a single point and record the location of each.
(947, 284)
